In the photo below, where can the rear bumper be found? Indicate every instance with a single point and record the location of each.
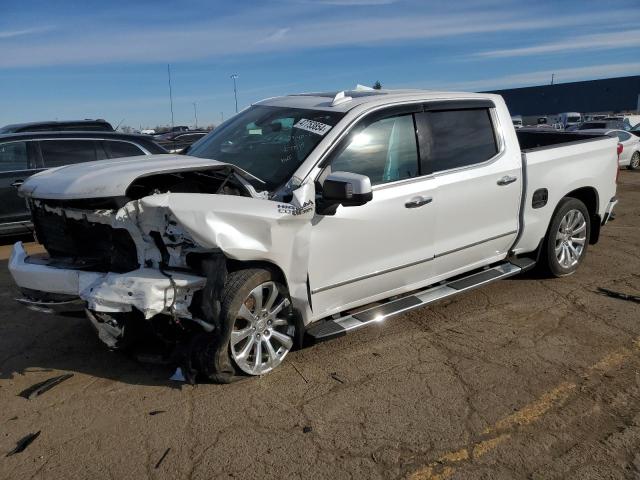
(52, 289)
(609, 210)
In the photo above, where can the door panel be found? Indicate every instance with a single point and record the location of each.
(363, 252)
(477, 218)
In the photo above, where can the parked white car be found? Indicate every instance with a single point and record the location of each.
(628, 146)
(307, 216)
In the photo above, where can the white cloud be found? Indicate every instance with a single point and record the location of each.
(7, 34)
(605, 41)
(96, 43)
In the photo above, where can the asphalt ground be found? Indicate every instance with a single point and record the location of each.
(528, 378)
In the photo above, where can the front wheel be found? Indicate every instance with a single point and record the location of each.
(257, 327)
(635, 161)
(567, 238)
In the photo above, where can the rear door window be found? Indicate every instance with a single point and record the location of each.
(56, 153)
(452, 139)
(13, 156)
(122, 149)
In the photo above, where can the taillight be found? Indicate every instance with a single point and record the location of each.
(620, 149)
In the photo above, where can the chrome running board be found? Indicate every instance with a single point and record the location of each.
(335, 327)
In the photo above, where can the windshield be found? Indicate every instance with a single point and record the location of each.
(573, 119)
(268, 142)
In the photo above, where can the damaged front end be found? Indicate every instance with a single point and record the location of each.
(156, 258)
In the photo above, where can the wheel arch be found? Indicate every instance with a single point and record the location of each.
(588, 196)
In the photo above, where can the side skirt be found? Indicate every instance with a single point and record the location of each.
(336, 327)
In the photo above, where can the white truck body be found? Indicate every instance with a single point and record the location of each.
(469, 217)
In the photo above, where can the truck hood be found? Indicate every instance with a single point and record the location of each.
(111, 178)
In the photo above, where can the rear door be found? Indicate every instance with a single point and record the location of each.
(479, 184)
(16, 165)
(59, 152)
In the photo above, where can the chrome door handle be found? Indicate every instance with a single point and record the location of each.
(506, 180)
(418, 202)
(17, 183)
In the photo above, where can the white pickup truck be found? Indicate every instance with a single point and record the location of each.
(307, 216)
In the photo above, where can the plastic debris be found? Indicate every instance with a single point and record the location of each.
(307, 429)
(156, 412)
(23, 443)
(178, 376)
(42, 387)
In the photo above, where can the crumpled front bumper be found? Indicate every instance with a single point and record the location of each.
(61, 289)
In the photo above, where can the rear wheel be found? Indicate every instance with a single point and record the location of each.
(568, 237)
(635, 161)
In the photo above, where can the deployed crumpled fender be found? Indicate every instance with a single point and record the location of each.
(243, 228)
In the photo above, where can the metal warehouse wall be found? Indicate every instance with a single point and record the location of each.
(608, 95)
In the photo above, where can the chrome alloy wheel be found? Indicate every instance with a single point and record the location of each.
(570, 238)
(261, 335)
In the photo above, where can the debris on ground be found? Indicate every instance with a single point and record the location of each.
(163, 457)
(156, 412)
(307, 429)
(620, 295)
(23, 443)
(335, 376)
(178, 376)
(42, 387)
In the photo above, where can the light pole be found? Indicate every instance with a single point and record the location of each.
(170, 93)
(195, 113)
(235, 90)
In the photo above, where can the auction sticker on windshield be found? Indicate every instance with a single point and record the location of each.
(312, 126)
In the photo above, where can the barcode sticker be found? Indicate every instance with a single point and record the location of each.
(312, 126)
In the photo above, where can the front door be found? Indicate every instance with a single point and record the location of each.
(364, 253)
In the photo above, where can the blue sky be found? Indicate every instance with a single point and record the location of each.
(108, 59)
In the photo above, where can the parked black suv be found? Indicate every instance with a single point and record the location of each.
(23, 154)
(180, 141)
(66, 126)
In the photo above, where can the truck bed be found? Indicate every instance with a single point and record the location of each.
(561, 163)
(540, 139)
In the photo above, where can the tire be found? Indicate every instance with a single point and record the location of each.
(256, 334)
(635, 161)
(567, 238)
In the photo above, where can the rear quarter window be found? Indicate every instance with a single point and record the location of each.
(117, 149)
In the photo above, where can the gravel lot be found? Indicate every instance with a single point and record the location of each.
(526, 378)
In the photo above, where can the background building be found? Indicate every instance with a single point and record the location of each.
(610, 95)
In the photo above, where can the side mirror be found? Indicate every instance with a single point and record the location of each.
(347, 189)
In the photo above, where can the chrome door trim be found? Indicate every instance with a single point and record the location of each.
(407, 265)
